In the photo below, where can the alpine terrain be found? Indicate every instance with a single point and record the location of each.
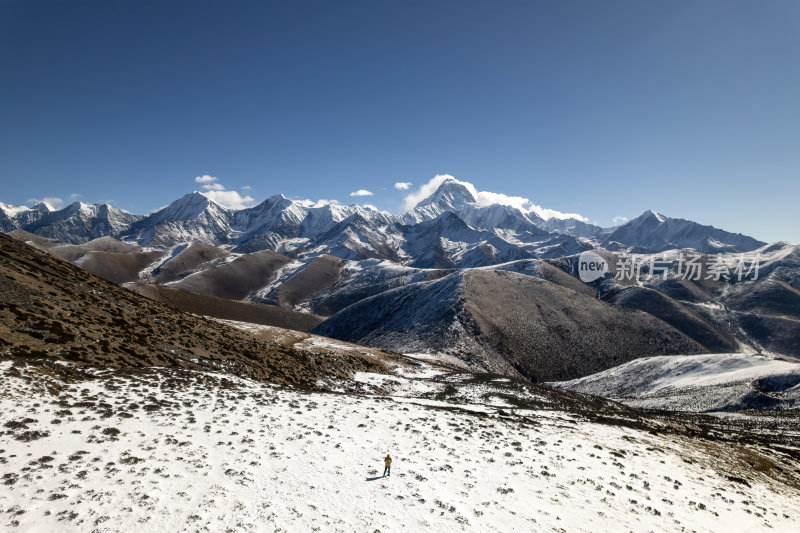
(202, 368)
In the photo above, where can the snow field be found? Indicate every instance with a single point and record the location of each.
(160, 450)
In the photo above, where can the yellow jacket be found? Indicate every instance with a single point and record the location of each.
(388, 460)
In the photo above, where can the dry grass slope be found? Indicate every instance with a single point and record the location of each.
(548, 332)
(117, 267)
(255, 313)
(51, 308)
(321, 273)
(236, 279)
(187, 260)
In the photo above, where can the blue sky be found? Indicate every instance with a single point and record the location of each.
(599, 108)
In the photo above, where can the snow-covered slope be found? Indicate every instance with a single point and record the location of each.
(717, 382)
(20, 217)
(166, 450)
(8, 215)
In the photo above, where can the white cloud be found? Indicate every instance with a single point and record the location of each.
(216, 192)
(246, 188)
(75, 196)
(491, 198)
(361, 192)
(53, 202)
(230, 199)
(619, 220)
(402, 185)
(370, 206)
(547, 214)
(483, 198)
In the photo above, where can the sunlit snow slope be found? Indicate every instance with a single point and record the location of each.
(172, 450)
(707, 382)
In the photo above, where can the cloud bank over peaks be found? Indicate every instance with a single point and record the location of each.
(205, 178)
(216, 192)
(52, 202)
(484, 198)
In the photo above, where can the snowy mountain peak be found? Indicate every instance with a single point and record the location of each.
(653, 214)
(276, 201)
(656, 232)
(79, 207)
(187, 207)
(270, 212)
(494, 227)
(43, 207)
(648, 219)
(450, 194)
(108, 208)
(87, 210)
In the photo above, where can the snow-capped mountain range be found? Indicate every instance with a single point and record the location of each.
(449, 229)
(140, 370)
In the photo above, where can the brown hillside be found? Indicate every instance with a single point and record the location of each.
(187, 260)
(321, 273)
(237, 279)
(51, 308)
(255, 313)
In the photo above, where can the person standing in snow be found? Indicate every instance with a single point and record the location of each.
(387, 470)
